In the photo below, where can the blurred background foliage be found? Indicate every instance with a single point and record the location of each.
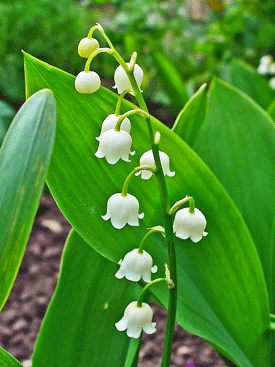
(180, 44)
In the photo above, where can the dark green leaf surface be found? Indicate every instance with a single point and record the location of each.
(245, 78)
(220, 278)
(271, 110)
(171, 80)
(191, 118)
(6, 360)
(237, 141)
(79, 326)
(24, 159)
(6, 115)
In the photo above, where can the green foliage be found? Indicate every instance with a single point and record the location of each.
(79, 327)
(24, 159)
(219, 278)
(48, 29)
(6, 115)
(6, 360)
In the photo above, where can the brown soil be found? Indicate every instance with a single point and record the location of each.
(25, 308)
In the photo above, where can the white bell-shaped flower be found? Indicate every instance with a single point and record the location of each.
(110, 123)
(136, 319)
(114, 145)
(122, 210)
(87, 82)
(136, 265)
(191, 225)
(147, 158)
(87, 46)
(122, 81)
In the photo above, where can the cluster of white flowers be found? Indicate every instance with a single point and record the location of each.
(267, 67)
(123, 208)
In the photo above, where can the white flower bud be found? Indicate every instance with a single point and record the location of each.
(87, 46)
(110, 123)
(122, 81)
(122, 210)
(271, 68)
(136, 265)
(266, 60)
(114, 145)
(136, 319)
(272, 82)
(87, 82)
(191, 225)
(147, 158)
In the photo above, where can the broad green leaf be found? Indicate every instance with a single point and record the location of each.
(24, 160)
(271, 110)
(237, 141)
(245, 78)
(79, 326)
(7, 360)
(191, 118)
(6, 115)
(219, 277)
(171, 80)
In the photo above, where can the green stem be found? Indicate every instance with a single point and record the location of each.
(179, 203)
(167, 218)
(145, 289)
(141, 246)
(129, 113)
(120, 99)
(96, 52)
(129, 177)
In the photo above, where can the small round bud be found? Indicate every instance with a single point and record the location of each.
(87, 82)
(87, 46)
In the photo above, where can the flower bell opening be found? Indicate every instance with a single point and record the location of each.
(123, 210)
(136, 319)
(136, 265)
(191, 225)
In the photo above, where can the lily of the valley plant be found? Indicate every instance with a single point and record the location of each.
(115, 143)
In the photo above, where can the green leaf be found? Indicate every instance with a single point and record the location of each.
(271, 110)
(24, 159)
(237, 141)
(219, 277)
(7, 360)
(6, 115)
(79, 326)
(245, 78)
(171, 80)
(191, 118)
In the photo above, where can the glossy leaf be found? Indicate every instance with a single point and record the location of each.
(191, 118)
(24, 159)
(245, 78)
(79, 326)
(171, 80)
(6, 115)
(219, 277)
(7, 360)
(237, 141)
(271, 110)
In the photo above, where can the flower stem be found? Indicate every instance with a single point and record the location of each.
(144, 290)
(179, 203)
(129, 177)
(129, 113)
(141, 246)
(167, 218)
(119, 101)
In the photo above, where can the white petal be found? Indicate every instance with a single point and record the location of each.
(106, 216)
(141, 215)
(122, 324)
(154, 269)
(150, 328)
(119, 274)
(204, 234)
(181, 234)
(170, 174)
(196, 237)
(134, 332)
(145, 175)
